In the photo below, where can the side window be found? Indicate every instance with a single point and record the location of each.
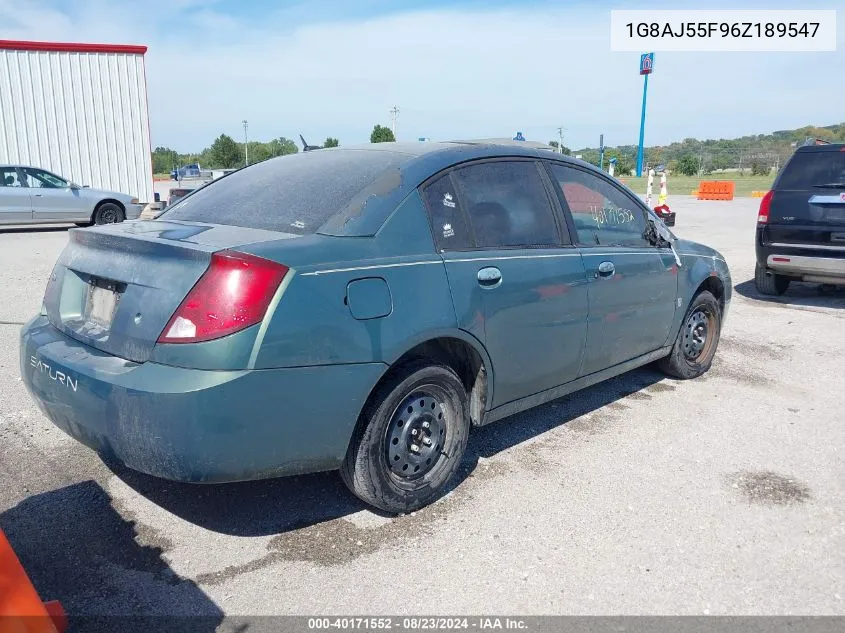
(41, 179)
(9, 177)
(447, 217)
(507, 204)
(603, 214)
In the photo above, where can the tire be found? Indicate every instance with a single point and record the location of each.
(694, 348)
(769, 283)
(108, 213)
(381, 467)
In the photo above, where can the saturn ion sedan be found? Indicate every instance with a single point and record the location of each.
(362, 309)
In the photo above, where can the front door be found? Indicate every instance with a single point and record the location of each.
(517, 283)
(53, 198)
(632, 284)
(15, 205)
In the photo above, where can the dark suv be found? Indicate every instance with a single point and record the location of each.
(801, 224)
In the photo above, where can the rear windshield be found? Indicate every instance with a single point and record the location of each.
(811, 169)
(292, 194)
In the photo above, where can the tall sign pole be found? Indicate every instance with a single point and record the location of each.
(646, 68)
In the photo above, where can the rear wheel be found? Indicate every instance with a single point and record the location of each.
(108, 213)
(410, 439)
(694, 348)
(769, 283)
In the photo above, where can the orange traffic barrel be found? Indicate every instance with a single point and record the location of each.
(21, 610)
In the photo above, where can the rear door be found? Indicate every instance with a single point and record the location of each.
(632, 284)
(15, 205)
(517, 282)
(53, 198)
(807, 211)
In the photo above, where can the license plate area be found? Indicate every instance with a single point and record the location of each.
(101, 302)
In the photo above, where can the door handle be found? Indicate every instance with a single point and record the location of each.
(38, 195)
(605, 270)
(489, 277)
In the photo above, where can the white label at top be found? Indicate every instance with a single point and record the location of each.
(723, 30)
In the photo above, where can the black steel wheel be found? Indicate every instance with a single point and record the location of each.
(697, 340)
(410, 438)
(108, 213)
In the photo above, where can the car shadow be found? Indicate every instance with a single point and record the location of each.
(798, 294)
(275, 506)
(77, 549)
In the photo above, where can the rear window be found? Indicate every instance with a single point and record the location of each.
(810, 169)
(292, 194)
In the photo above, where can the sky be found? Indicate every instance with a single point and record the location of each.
(461, 69)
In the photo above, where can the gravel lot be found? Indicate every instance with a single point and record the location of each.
(643, 495)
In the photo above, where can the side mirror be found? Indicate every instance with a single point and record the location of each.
(73, 186)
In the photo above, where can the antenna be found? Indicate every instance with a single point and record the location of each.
(306, 147)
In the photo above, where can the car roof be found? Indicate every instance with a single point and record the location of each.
(827, 147)
(427, 158)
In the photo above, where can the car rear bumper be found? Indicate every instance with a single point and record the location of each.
(195, 425)
(808, 268)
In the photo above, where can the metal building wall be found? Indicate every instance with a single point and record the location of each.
(82, 115)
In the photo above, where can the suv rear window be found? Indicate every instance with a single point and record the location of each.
(811, 169)
(292, 194)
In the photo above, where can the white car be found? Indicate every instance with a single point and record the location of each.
(29, 195)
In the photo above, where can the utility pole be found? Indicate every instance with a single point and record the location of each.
(394, 113)
(246, 145)
(560, 136)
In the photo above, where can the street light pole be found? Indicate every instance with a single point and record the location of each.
(246, 145)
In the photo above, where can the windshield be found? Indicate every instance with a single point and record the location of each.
(293, 194)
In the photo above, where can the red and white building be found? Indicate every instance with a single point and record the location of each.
(79, 110)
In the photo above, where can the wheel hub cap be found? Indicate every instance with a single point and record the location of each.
(415, 436)
(695, 334)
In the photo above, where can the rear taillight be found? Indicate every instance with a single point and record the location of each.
(232, 294)
(765, 206)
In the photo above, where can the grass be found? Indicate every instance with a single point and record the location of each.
(683, 185)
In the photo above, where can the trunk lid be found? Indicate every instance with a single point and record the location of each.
(115, 287)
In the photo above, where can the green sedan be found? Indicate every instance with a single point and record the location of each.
(362, 309)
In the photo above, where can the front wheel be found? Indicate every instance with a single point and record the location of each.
(694, 348)
(410, 439)
(108, 213)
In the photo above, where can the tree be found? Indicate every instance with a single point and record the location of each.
(164, 159)
(331, 142)
(624, 165)
(382, 135)
(554, 144)
(283, 146)
(688, 165)
(259, 151)
(225, 152)
(759, 169)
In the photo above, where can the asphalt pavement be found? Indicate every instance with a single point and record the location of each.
(642, 495)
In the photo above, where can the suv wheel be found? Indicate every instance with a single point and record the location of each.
(769, 283)
(410, 439)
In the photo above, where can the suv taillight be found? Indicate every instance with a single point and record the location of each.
(765, 207)
(231, 295)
